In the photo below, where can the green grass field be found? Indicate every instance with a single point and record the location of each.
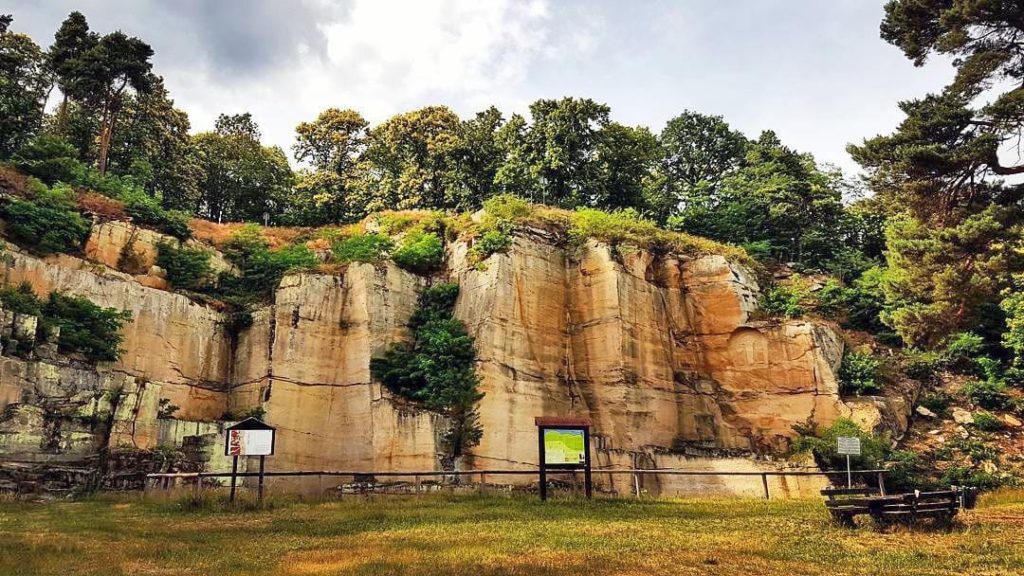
(492, 535)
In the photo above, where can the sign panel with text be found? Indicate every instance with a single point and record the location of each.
(249, 437)
(849, 445)
(250, 442)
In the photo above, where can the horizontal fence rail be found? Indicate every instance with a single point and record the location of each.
(167, 478)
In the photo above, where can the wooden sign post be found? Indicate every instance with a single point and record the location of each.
(563, 444)
(250, 437)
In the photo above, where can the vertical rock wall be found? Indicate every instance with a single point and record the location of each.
(660, 352)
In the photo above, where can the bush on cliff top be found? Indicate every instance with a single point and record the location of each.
(420, 252)
(187, 268)
(362, 248)
(47, 222)
(261, 267)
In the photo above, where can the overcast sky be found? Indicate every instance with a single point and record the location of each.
(815, 71)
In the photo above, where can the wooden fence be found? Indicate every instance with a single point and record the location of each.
(168, 480)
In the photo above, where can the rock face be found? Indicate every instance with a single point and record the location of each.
(661, 352)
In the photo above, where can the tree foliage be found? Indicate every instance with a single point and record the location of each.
(437, 367)
(241, 180)
(957, 242)
(24, 84)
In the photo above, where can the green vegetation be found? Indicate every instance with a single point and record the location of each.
(789, 301)
(986, 421)
(261, 267)
(876, 453)
(938, 402)
(20, 299)
(858, 374)
(86, 328)
(187, 268)
(46, 222)
(987, 394)
(362, 248)
(53, 161)
(485, 536)
(489, 243)
(420, 252)
(438, 367)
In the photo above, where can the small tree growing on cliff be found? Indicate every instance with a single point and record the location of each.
(437, 368)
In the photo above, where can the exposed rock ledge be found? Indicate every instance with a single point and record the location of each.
(660, 352)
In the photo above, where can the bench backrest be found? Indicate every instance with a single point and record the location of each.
(833, 493)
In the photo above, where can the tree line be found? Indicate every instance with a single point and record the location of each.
(697, 175)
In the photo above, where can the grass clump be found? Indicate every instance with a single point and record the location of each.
(858, 374)
(398, 222)
(987, 421)
(47, 221)
(187, 268)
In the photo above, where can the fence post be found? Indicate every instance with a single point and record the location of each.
(764, 482)
(636, 483)
(195, 487)
(416, 483)
(881, 483)
(481, 483)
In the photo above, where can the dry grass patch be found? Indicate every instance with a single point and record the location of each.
(483, 536)
(218, 235)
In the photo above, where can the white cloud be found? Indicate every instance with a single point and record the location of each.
(382, 57)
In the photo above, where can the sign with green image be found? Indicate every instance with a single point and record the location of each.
(564, 447)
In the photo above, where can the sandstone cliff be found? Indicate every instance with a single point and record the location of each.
(660, 351)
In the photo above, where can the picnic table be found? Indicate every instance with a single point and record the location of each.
(844, 504)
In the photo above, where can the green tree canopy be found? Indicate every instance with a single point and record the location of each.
(414, 161)
(958, 245)
(24, 84)
(333, 142)
(241, 180)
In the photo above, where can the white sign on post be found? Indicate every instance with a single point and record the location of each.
(250, 442)
(849, 445)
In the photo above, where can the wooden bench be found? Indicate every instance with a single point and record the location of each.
(939, 505)
(844, 504)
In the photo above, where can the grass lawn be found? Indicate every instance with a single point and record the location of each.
(493, 535)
